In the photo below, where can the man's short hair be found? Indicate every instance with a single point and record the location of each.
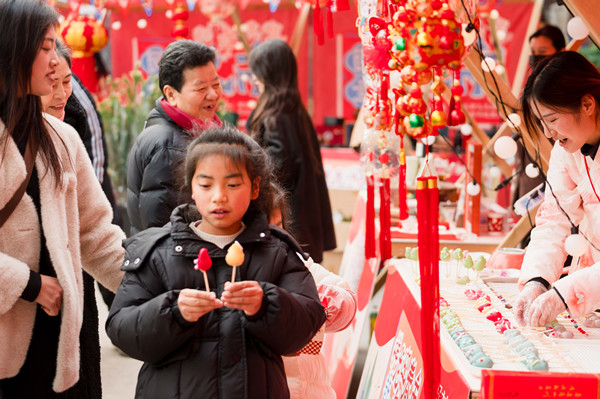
(179, 56)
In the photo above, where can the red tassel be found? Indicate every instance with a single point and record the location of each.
(428, 242)
(385, 240)
(329, 19)
(402, 190)
(318, 24)
(370, 219)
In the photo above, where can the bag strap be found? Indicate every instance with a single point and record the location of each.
(30, 154)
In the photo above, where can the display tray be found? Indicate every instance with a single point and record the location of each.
(578, 354)
(562, 354)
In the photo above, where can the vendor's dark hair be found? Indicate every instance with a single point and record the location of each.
(274, 64)
(242, 150)
(64, 51)
(25, 24)
(179, 56)
(553, 33)
(559, 82)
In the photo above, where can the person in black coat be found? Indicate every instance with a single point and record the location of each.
(224, 340)
(281, 124)
(191, 92)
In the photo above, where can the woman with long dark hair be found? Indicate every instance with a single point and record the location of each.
(562, 99)
(281, 124)
(55, 222)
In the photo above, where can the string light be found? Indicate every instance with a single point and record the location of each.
(532, 171)
(473, 188)
(505, 147)
(576, 28)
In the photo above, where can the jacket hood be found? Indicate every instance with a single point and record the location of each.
(255, 220)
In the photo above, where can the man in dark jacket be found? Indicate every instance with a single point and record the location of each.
(191, 92)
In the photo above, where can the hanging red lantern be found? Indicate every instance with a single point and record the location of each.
(180, 15)
(85, 36)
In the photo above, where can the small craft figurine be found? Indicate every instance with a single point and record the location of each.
(479, 265)
(203, 263)
(457, 255)
(445, 256)
(468, 264)
(234, 257)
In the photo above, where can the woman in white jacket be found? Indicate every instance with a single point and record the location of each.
(55, 222)
(562, 98)
(306, 371)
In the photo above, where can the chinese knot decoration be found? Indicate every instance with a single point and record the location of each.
(410, 48)
(425, 38)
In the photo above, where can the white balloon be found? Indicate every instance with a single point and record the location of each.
(505, 147)
(576, 28)
(473, 189)
(116, 25)
(466, 129)
(488, 64)
(576, 244)
(532, 171)
(514, 120)
(142, 23)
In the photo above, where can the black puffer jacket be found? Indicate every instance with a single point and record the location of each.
(152, 184)
(225, 354)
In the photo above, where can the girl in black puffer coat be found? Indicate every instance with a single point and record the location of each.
(225, 340)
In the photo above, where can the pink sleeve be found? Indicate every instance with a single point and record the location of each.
(580, 290)
(341, 306)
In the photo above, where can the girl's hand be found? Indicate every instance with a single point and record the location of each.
(50, 296)
(194, 304)
(243, 295)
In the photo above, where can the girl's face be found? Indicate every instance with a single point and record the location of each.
(54, 103)
(222, 193)
(570, 130)
(44, 66)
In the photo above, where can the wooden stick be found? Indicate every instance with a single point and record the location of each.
(233, 274)
(206, 281)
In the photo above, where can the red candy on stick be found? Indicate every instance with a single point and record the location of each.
(204, 262)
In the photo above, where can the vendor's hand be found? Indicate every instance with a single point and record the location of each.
(50, 296)
(521, 305)
(243, 295)
(193, 304)
(544, 309)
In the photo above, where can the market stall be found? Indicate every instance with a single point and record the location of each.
(395, 359)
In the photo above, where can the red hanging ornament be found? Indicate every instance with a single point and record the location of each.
(385, 241)
(370, 219)
(428, 244)
(318, 24)
(329, 7)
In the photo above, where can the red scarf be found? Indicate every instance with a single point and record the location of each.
(190, 124)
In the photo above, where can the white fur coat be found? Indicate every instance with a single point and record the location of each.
(79, 235)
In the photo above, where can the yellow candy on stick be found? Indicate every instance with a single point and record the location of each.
(234, 257)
